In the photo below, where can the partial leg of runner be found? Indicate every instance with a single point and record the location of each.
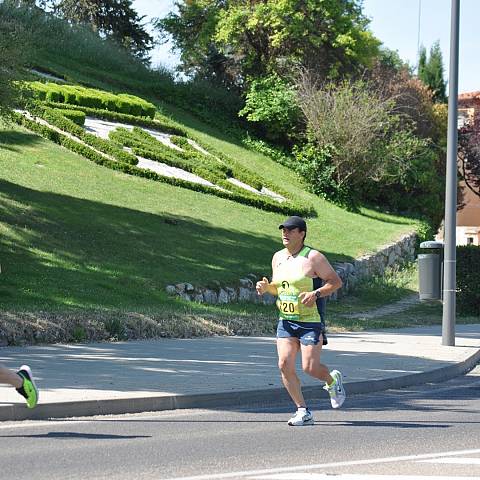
(333, 381)
(23, 382)
(287, 351)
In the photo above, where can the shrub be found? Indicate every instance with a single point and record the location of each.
(315, 165)
(272, 101)
(468, 279)
(160, 122)
(92, 98)
(378, 157)
(56, 118)
(73, 115)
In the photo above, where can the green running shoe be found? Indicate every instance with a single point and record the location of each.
(28, 390)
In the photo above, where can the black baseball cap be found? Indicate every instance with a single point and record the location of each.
(294, 222)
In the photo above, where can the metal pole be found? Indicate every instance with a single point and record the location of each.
(448, 320)
(418, 32)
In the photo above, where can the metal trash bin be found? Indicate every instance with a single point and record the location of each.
(430, 271)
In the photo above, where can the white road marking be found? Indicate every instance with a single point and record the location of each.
(459, 461)
(253, 473)
(326, 476)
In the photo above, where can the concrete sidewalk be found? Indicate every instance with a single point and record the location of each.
(127, 377)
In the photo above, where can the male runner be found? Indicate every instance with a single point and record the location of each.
(301, 278)
(22, 381)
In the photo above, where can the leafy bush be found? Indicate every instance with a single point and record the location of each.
(315, 165)
(468, 279)
(160, 122)
(377, 158)
(56, 118)
(74, 115)
(272, 101)
(92, 98)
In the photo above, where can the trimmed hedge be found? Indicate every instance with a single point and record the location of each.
(468, 280)
(57, 119)
(243, 198)
(92, 98)
(166, 125)
(160, 123)
(75, 116)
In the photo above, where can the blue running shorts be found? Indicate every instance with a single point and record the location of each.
(307, 332)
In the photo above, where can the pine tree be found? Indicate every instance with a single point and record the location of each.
(430, 72)
(422, 61)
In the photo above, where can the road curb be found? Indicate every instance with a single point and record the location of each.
(223, 399)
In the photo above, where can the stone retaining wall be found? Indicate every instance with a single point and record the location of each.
(369, 265)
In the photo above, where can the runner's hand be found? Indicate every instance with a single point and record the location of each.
(307, 298)
(262, 285)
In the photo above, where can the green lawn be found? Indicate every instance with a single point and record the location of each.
(86, 252)
(74, 234)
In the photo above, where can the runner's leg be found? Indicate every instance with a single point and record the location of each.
(10, 377)
(311, 362)
(287, 351)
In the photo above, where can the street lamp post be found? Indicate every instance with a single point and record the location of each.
(449, 284)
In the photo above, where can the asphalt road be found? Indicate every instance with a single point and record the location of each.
(433, 430)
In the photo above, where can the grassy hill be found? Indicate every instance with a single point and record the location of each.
(77, 237)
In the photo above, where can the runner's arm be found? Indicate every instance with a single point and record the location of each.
(264, 286)
(323, 270)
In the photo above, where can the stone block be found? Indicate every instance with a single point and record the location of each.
(222, 296)
(232, 294)
(269, 299)
(210, 297)
(198, 297)
(244, 294)
(180, 287)
(171, 290)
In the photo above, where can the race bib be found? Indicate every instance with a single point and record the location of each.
(288, 306)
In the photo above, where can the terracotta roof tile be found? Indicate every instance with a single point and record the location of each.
(469, 95)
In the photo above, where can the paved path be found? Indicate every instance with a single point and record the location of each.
(395, 307)
(102, 378)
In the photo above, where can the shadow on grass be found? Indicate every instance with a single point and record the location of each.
(60, 251)
(380, 218)
(11, 140)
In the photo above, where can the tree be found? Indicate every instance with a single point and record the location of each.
(114, 19)
(193, 30)
(469, 157)
(422, 62)
(362, 147)
(255, 38)
(430, 72)
(13, 52)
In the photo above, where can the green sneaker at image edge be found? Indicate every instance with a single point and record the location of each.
(28, 390)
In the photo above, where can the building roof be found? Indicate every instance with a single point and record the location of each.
(470, 96)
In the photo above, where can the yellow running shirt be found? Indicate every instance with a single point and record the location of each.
(290, 281)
